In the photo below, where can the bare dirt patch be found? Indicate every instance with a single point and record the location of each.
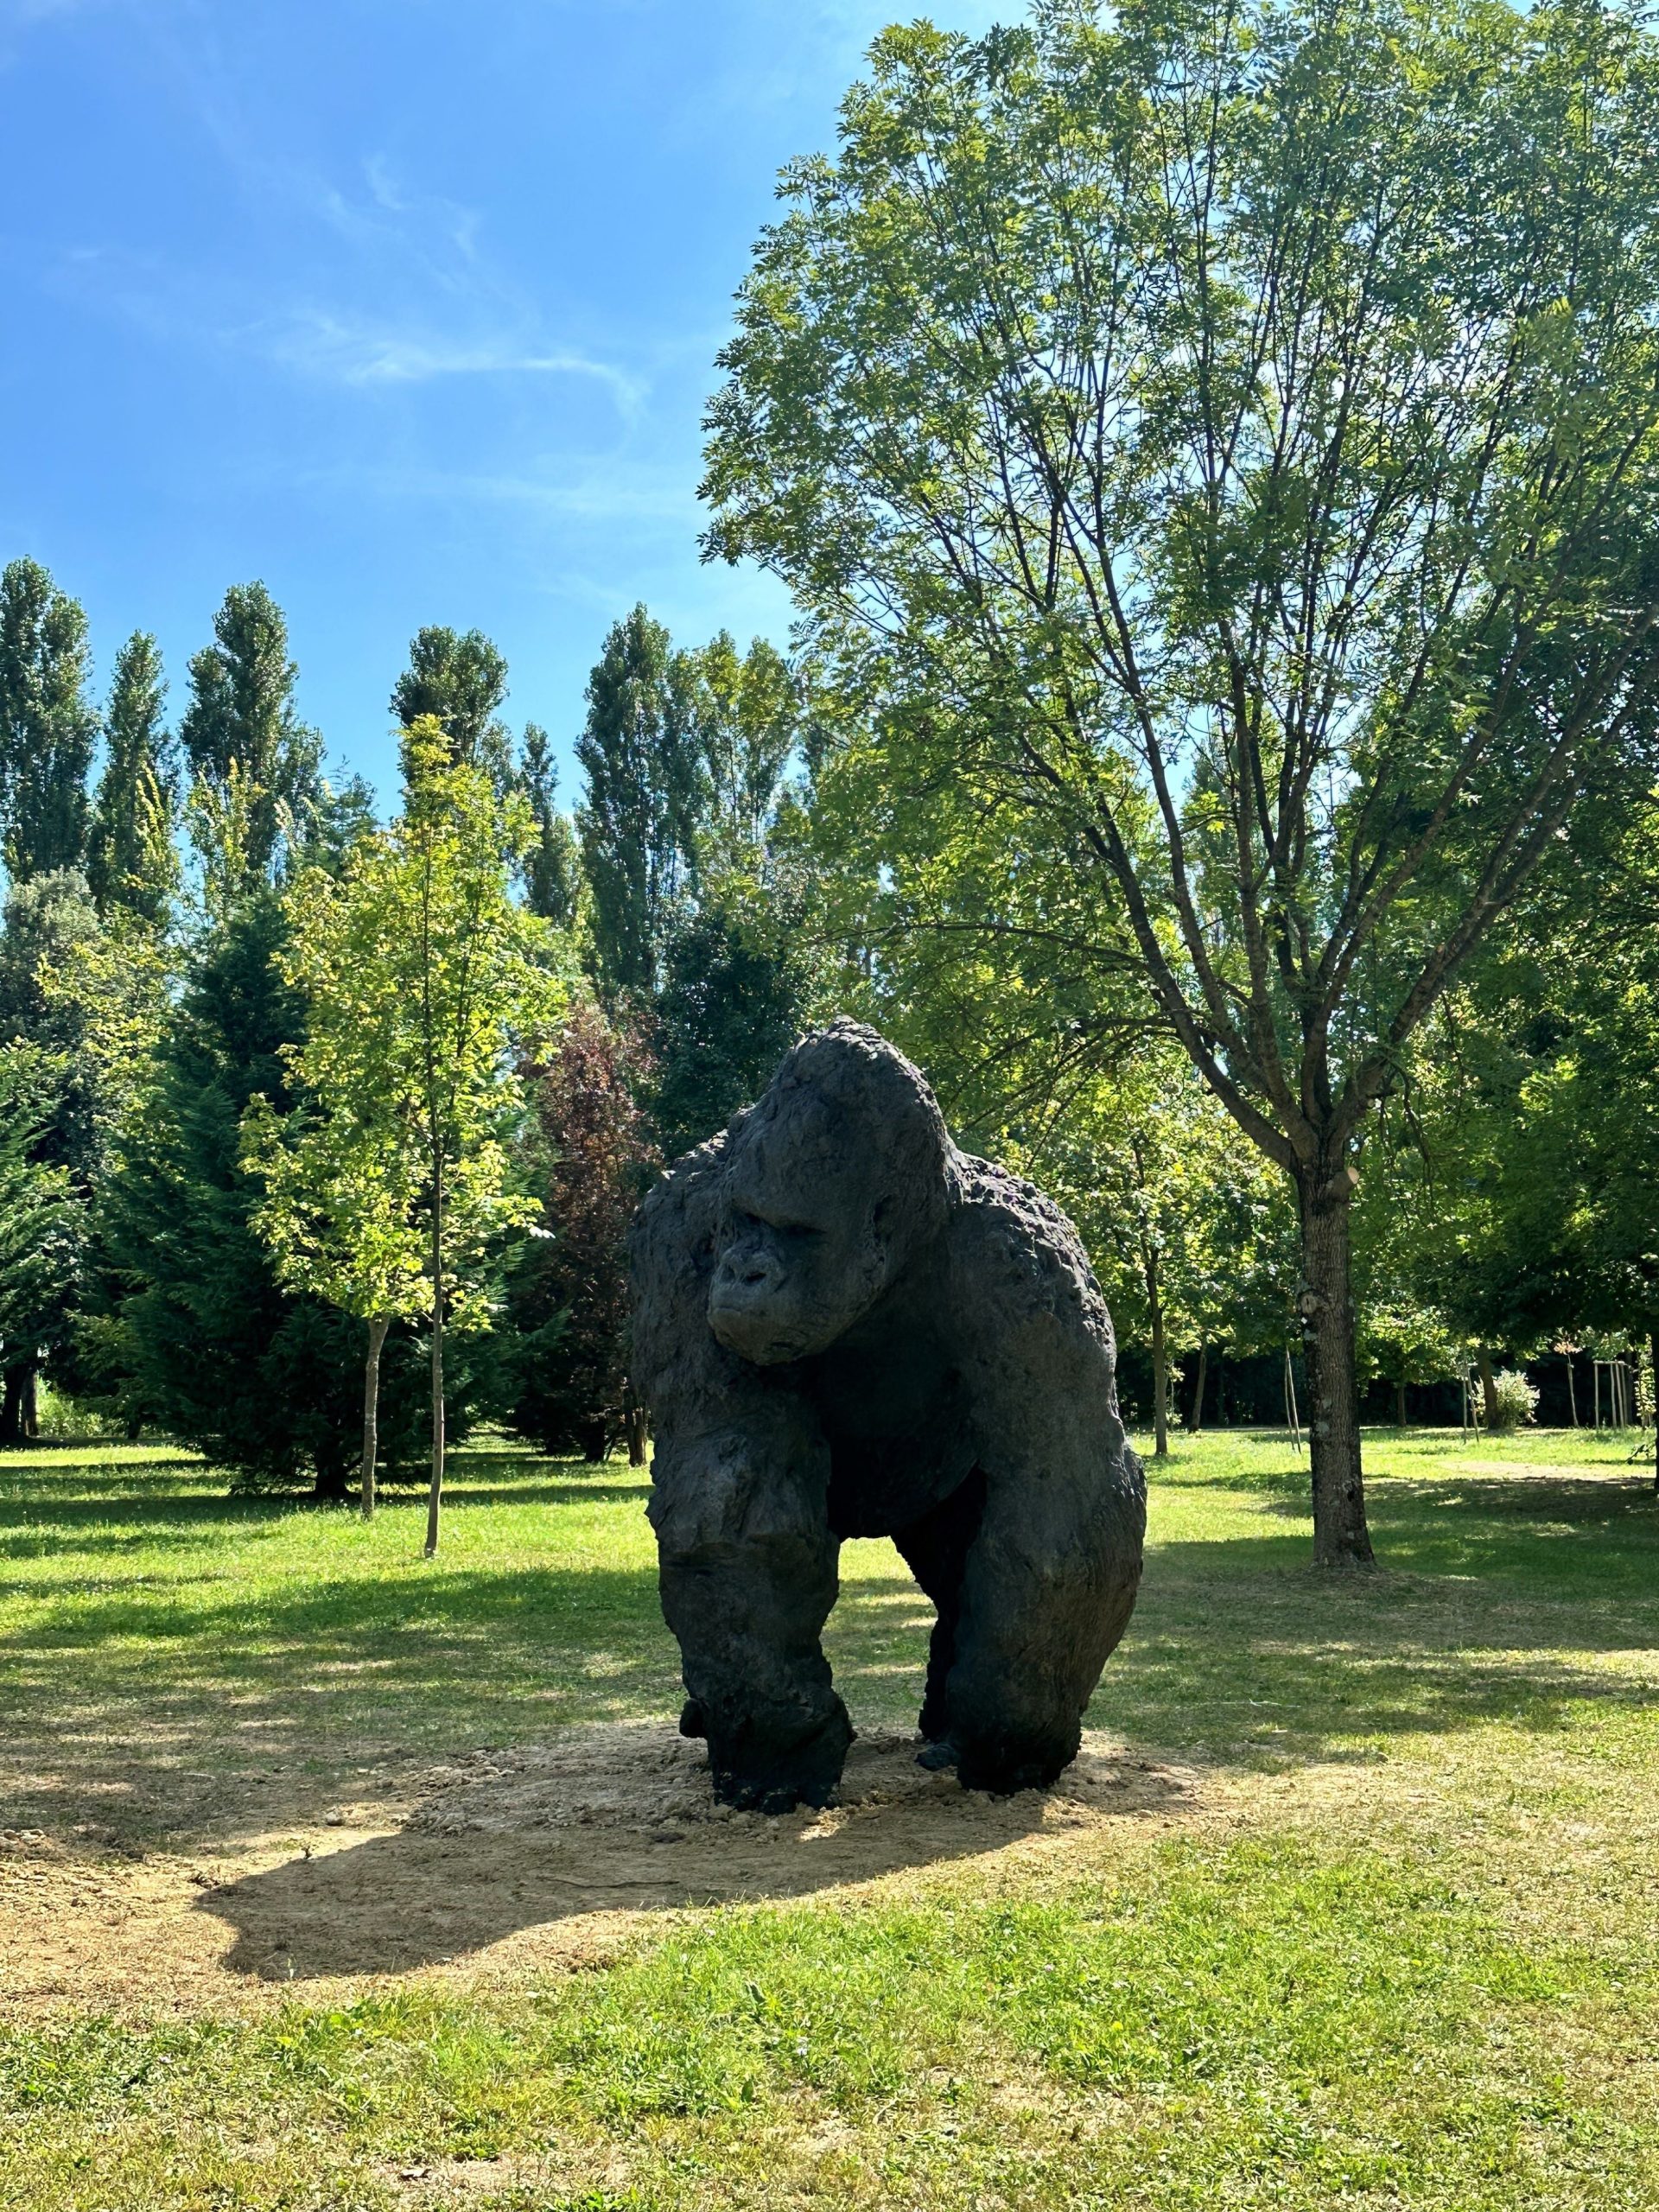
(545, 1854)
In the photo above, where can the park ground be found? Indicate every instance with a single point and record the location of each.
(333, 1878)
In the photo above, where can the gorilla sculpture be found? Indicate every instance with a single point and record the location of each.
(843, 1326)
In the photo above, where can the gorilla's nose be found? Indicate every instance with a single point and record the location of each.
(747, 1272)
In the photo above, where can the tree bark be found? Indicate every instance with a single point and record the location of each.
(19, 1418)
(638, 1427)
(1341, 1538)
(1488, 1391)
(1160, 1357)
(435, 1493)
(1195, 1421)
(1399, 1405)
(378, 1328)
(1572, 1395)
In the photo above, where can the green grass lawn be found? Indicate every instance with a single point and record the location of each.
(1393, 1946)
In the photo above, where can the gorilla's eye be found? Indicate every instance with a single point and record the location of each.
(776, 1224)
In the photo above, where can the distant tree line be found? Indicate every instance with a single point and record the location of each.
(301, 1162)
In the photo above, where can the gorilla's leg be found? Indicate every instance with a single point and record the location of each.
(1048, 1590)
(748, 1577)
(935, 1548)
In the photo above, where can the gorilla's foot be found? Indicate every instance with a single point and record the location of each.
(1002, 1765)
(936, 1757)
(757, 1777)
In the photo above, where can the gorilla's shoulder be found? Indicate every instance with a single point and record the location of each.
(685, 1197)
(1014, 1246)
(671, 1242)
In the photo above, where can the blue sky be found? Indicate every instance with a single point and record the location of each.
(408, 306)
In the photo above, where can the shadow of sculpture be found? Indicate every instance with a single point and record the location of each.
(621, 1818)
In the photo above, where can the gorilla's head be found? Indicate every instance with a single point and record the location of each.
(831, 1185)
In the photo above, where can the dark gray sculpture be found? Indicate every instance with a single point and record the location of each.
(843, 1326)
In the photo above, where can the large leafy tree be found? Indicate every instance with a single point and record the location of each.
(1230, 440)
(257, 767)
(638, 821)
(48, 724)
(132, 861)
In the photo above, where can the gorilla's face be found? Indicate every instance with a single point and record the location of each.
(800, 1258)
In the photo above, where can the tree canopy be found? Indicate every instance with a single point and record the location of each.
(1228, 441)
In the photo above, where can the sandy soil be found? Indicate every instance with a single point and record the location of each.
(540, 1855)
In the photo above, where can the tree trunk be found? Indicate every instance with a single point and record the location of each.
(1160, 1357)
(1195, 1422)
(435, 1494)
(1221, 1386)
(1653, 1354)
(638, 1430)
(32, 1403)
(18, 1420)
(1488, 1392)
(378, 1328)
(1340, 1536)
(1572, 1395)
(1399, 1405)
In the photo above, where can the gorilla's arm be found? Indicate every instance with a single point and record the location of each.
(1051, 1578)
(739, 1478)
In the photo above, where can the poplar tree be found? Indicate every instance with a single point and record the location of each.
(48, 725)
(256, 766)
(132, 859)
(638, 822)
(748, 714)
(461, 681)
(551, 868)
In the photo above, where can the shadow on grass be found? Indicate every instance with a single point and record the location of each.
(623, 1820)
(470, 1493)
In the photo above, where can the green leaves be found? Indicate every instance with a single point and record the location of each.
(1239, 429)
(419, 972)
(48, 726)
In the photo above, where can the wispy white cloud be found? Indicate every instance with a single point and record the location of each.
(318, 342)
(616, 491)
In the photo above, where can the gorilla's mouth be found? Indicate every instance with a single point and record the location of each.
(756, 1333)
